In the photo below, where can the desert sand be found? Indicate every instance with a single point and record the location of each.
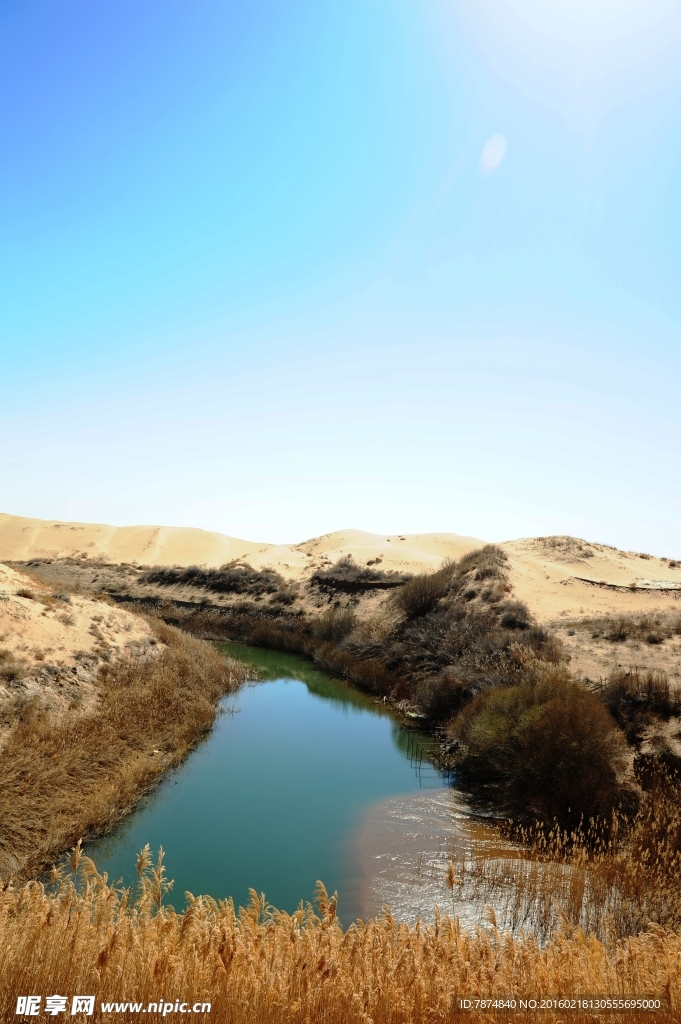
(562, 577)
(52, 646)
(558, 577)
(22, 539)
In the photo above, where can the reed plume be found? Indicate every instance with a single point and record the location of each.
(259, 965)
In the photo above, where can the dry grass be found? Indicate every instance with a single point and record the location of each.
(64, 779)
(233, 578)
(11, 669)
(260, 966)
(609, 881)
(422, 592)
(335, 624)
(651, 628)
(637, 700)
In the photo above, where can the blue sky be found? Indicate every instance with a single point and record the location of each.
(263, 271)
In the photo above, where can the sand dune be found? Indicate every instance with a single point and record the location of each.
(562, 577)
(406, 552)
(556, 576)
(22, 539)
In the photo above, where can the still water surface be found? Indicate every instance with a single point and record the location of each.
(273, 796)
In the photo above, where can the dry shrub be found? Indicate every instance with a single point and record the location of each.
(651, 628)
(335, 624)
(232, 578)
(349, 577)
(442, 698)
(261, 966)
(367, 672)
(635, 699)
(65, 779)
(487, 562)
(422, 592)
(11, 670)
(546, 745)
(515, 615)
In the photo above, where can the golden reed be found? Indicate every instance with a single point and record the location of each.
(78, 934)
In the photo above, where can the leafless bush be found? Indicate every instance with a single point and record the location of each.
(422, 592)
(335, 624)
(636, 698)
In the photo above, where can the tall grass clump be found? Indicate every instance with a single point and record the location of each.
(262, 966)
(611, 879)
(335, 624)
(63, 779)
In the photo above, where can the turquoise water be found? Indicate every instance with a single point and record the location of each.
(271, 799)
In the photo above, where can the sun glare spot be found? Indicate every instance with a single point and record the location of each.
(493, 153)
(581, 57)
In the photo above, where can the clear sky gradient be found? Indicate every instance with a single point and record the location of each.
(278, 267)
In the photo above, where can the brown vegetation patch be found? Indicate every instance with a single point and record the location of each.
(233, 578)
(638, 700)
(346, 576)
(546, 746)
(651, 628)
(79, 775)
(422, 592)
(262, 966)
(569, 548)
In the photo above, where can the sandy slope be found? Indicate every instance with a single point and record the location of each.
(22, 539)
(51, 647)
(561, 577)
(558, 577)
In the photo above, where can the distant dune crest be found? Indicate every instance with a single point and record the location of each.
(22, 539)
(556, 576)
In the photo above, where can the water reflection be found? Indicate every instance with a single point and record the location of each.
(273, 798)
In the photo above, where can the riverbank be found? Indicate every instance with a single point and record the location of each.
(433, 645)
(53, 643)
(73, 776)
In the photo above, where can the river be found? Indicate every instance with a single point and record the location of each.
(273, 797)
(303, 777)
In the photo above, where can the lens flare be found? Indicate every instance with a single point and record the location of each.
(493, 154)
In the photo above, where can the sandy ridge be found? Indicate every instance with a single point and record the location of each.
(558, 577)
